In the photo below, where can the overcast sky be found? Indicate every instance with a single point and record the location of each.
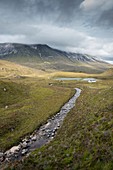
(84, 26)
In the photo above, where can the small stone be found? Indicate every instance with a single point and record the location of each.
(6, 107)
(34, 138)
(47, 124)
(52, 137)
(47, 130)
(58, 125)
(52, 134)
(31, 136)
(67, 155)
(5, 89)
(24, 145)
(27, 155)
(54, 130)
(25, 140)
(24, 151)
(48, 135)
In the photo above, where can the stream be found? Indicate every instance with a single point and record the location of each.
(41, 136)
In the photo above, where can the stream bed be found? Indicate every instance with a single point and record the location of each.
(41, 136)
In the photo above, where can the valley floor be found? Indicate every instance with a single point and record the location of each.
(85, 140)
(25, 104)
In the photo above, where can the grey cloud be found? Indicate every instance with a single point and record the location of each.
(101, 12)
(61, 11)
(73, 25)
(102, 5)
(106, 18)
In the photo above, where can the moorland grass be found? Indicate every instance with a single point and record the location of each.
(25, 104)
(85, 141)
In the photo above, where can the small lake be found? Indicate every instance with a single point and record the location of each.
(77, 79)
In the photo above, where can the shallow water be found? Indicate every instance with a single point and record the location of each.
(77, 79)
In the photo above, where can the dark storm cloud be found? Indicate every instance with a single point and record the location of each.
(61, 8)
(76, 25)
(98, 12)
(20, 16)
(106, 18)
(63, 12)
(55, 11)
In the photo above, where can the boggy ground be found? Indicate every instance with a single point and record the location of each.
(85, 141)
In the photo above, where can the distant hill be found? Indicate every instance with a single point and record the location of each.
(12, 70)
(45, 58)
(108, 74)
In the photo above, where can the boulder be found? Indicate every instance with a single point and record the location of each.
(15, 149)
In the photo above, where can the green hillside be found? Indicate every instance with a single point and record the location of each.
(85, 141)
(25, 104)
(28, 97)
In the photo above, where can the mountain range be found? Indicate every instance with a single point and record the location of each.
(43, 57)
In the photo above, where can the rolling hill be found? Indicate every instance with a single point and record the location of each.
(108, 73)
(13, 70)
(44, 58)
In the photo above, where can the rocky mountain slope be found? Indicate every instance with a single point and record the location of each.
(44, 57)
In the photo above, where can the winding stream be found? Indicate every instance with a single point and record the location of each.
(41, 136)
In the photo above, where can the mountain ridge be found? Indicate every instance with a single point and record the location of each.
(38, 47)
(42, 56)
